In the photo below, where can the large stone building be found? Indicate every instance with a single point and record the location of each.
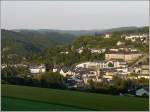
(123, 55)
(37, 69)
(94, 65)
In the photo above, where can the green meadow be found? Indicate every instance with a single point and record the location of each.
(34, 98)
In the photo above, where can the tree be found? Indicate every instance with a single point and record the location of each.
(51, 79)
(134, 75)
(119, 83)
(85, 55)
(22, 71)
(15, 72)
(130, 85)
(91, 84)
(143, 82)
(8, 72)
(110, 64)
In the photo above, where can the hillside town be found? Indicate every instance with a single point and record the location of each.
(75, 55)
(123, 62)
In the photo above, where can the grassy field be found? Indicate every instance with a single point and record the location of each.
(32, 98)
(16, 104)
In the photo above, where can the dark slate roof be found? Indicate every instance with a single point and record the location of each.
(65, 69)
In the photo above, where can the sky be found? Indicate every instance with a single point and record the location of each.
(73, 15)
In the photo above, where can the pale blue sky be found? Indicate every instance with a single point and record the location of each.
(73, 15)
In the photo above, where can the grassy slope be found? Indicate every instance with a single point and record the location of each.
(15, 104)
(77, 99)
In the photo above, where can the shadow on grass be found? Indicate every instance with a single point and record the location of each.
(51, 103)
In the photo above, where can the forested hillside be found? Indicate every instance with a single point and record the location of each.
(27, 42)
(46, 45)
(54, 55)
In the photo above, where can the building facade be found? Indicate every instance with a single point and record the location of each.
(126, 56)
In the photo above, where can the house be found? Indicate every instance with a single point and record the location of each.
(86, 79)
(95, 51)
(87, 74)
(133, 50)
(103, 50)
(137, 70)
(123, 55)
(55, 69)
(123, 35)
(95, 65)
(120, 43)
(145, 69)
(131, 37)
(123, 70)
(142, 70)
(124, 48)
(129, 49)
(145, 40)
(142, 92)
(80, 50)
(3, 66)
(134, 37)
(84, 72)
(37, 69)
(74, 82)
(98, 50)
(83, 65)
(65, 71)
(66, 52)
(118, 64)
(114, 50)
(92, 73)
(131, 77)
(71, 83)
(102, 64)
(107, 35)
(13, 65)
(143, 76)
(108, 75)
